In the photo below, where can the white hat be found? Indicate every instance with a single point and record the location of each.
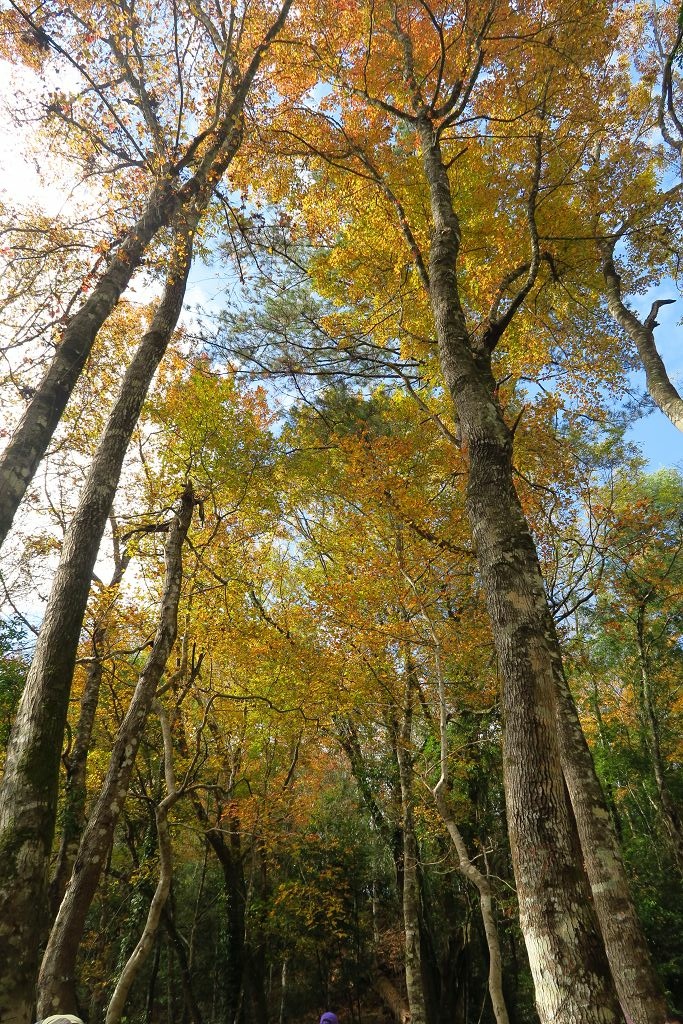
(61, 1018)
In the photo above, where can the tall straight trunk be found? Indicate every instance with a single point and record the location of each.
(28, 792)
(191, 1005)
(469, 871)
(32, 436)
(229, 854)
(56, 983)
(411, 883)
(566, 953)
(465, 865)
(411, 912)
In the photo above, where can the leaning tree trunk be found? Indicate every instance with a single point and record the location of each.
(28, 792)
(57, 975)
(33, 434)
(32, 437)
(638, 987)
(566, 953)
(660, 386)
(75, 788)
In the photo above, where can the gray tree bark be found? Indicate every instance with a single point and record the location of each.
(667, 805)
(75, 790)
(638, 987)
(56, 985)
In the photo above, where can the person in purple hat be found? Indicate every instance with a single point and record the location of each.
(329, 1018)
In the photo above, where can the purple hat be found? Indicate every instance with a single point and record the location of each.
(329, 1018)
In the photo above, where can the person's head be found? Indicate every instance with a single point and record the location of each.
(329, 1018)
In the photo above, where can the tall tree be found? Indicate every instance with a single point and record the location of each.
(408, 96)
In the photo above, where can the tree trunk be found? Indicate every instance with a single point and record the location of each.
(33, 434)
(28, 792)
(192, 1007)
(411, 885)
(230, 858)
(566, 954)
(661, 388)
(667, 806)
(392, 999)
(57, 975)
(465, 865)
(31, 438)
(156, 908)
(75, 790)
(638, 987)
(481, 883)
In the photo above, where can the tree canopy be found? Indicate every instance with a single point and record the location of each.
(340, 608)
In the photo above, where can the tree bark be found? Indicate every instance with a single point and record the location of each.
(75, 790)
(667, 806)
(465, 865)
(56, 983)
(163, 887)
(33, 434)
(28, 792)
(392, 999)
(566, 954)
(659, 385)
(411, 885)
(191, 1005)
(481, 883)
(229, 856)
(638, 987)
